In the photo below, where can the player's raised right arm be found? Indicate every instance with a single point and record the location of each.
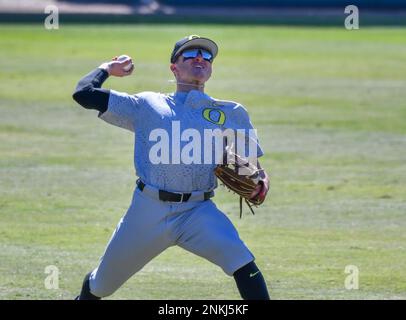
(88, 92)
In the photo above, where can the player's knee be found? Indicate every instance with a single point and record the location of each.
(247, 269)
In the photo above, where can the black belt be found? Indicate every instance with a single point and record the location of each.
(172, 196)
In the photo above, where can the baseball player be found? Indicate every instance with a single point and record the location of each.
(171, 203)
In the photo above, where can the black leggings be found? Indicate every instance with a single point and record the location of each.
(251, 283)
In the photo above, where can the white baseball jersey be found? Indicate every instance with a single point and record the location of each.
(148, 114)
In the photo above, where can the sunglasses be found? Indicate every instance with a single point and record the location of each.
(193, 53)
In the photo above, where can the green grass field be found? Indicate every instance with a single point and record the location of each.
(330, 108)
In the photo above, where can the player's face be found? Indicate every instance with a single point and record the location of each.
(193, 67)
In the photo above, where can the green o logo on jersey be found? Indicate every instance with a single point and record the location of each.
(214, 115)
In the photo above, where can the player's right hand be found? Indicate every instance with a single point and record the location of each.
(117, 68)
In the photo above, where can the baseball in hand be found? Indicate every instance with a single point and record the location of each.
(122, 58)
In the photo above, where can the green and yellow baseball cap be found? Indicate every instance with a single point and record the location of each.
(193, 42)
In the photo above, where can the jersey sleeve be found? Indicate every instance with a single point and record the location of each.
(250, 133)
(123, 110)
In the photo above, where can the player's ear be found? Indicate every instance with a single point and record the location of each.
(173, 68)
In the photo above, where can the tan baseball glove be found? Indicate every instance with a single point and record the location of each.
(241, 177)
